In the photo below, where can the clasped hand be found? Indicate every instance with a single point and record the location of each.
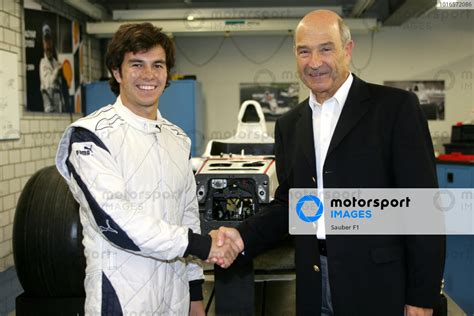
(226, 246)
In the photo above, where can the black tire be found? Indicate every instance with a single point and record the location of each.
(47, 238)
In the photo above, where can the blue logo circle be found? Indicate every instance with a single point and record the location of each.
(309, 199)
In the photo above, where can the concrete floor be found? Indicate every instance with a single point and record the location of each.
(280, 299)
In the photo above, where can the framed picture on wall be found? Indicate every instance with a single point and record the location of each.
(275, 98)
(430, 93)
(52, 67)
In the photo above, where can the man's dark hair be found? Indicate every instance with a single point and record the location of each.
(136, 38)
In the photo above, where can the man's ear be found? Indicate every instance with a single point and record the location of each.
(348, 48)
(117, 75)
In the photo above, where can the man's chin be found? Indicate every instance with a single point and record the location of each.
(145, 104)
(149, 105)
(149, 102)
(322, 82)
(320, 88)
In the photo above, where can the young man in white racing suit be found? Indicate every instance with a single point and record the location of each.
(129, 169)
(50, 75)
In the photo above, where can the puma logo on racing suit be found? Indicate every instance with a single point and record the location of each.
(86, 152)
(108, 228)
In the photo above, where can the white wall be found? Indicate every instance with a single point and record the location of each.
(39, 132)
(221, 77)
(437, 46)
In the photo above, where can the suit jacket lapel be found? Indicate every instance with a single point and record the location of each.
(354, 108)
(305, 135)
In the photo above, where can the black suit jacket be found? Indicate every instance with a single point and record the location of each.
(381, 141)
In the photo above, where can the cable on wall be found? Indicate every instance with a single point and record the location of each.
(358, 70)
(205, 62)
(236, 45)
(262, 61)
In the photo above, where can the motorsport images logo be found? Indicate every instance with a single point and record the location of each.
(398, 211)
(343, 210)
(309, 208)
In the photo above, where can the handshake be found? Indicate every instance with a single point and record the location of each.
(226, 246)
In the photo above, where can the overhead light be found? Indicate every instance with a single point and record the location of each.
(218, 21)
(220, 26)
(220, 13)
(94, 11)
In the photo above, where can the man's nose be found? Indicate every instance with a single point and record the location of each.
(316, 61)
(148, 72)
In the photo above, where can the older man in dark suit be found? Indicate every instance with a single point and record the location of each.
(349, 134)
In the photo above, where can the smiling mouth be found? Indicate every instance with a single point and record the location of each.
(146, 87)
(317, 74)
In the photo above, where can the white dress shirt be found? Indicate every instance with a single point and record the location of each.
(325, 117)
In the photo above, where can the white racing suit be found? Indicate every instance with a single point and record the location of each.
(50, 81)
(133, 180)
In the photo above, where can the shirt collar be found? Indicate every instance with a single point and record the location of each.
(140, 123)
(340, 96)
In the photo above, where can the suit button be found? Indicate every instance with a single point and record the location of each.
(316, 268)
(314, 180)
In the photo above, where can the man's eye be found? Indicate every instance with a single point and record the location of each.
(326, 49)
(136, 65)
(159, 66)
(303, 52)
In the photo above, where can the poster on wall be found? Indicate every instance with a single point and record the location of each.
(430, 93)
(275, 98)
(9, 104)
(78, 51)
(52, 75)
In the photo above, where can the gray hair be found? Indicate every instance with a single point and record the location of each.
(344, 31)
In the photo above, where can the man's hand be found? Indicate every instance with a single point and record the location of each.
(223, 253)
(417, 311)
(226, 233)
(196, 309)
